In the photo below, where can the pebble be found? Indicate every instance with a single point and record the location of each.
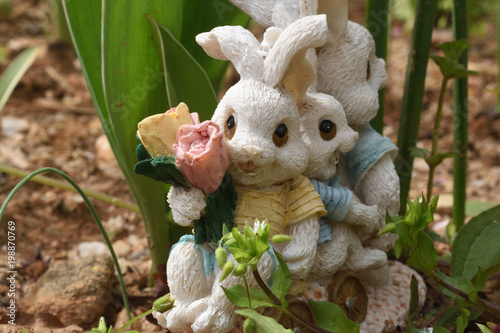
(12, 126)
(106, 161)
(91, 249)
(78, 292)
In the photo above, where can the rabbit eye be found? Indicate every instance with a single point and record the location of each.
(327, 130)
(280, 136)
(368, 70)
(230, 127)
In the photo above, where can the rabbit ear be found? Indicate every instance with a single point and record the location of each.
(337, 14)
(260, 10)
(302, 78)
(291, 46)
(236, 44)
(308, 7)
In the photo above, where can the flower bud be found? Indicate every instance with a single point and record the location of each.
(221, 256)
(249, 326)
(281, 239)
(240, 270)
(164, 303)
(228, 268)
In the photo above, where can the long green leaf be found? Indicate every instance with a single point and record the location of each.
(377, 22)
(186, 80)
(413, 94)
(476, 244)
(13, 74)
(460, 120)
(134, 89)
(122, 72)
(201, 16)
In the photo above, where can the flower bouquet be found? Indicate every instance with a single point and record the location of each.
(178, 150)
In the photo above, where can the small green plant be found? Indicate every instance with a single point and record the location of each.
(162, 304)
(471, 263)
(247, 248)
(451, 69)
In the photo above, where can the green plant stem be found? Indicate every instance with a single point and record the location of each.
(248, 292)
(263, 285)
(377, 22)
(413, 95)
(460, 120)
(446, 306)
(131, 321)
(92, 211)
(435, 136)
(61, 185)
(483, 303)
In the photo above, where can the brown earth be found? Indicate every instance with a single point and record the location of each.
(58, 127)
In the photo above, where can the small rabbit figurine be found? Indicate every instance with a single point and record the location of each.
(326, 134)
(261, 125)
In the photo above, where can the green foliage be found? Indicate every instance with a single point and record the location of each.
(13, 74)
(332, 318)
(247, 248)
(476, 244)
(127, 82)
(449, 64)
(281, 282)
(413, 94)
(264, 324)
(413, 239)
(186, 81)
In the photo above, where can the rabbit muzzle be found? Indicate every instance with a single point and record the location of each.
(248, 168)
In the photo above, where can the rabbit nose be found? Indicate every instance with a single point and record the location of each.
(252, 150)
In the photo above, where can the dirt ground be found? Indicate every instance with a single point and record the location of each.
(50, 121)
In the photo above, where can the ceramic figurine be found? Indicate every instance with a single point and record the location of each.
(260, 127)
(348, 70)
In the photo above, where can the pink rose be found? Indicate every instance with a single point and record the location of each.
(201, 155)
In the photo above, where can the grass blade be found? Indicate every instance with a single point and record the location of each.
(13, 74)
(92, 211)
(460, 120)
(377, 22)
(413, 94)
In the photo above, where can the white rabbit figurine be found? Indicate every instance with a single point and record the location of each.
(261, 123)
(348, 70)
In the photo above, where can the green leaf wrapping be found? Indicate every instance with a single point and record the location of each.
(161, 168)
(220, 210)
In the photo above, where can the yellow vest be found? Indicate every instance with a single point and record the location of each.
(284, 204)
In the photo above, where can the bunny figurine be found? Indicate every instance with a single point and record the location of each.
(261, 125)
(326, 134)
(348, 69)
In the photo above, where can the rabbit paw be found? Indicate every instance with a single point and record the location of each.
(364, 219)
(174, 319)
(187, 205)
(214, 320)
